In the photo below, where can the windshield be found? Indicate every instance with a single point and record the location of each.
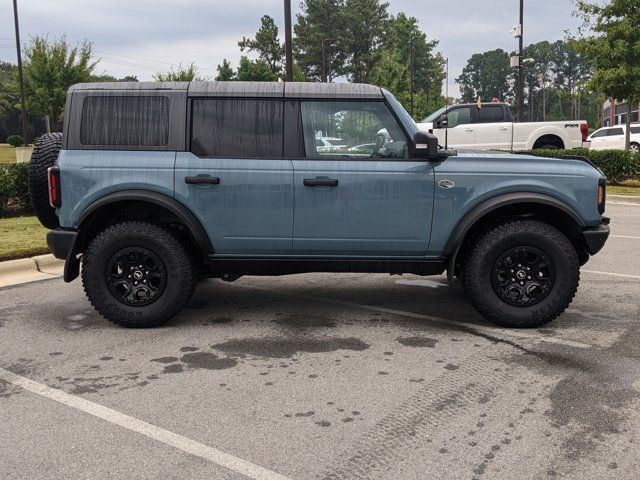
(434, 115)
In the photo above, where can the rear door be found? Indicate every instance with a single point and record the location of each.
(615, 139)
(235, 179)
(493, 131)
(370, 201)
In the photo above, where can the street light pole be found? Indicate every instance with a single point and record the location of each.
(520, 66)
(23, 101)
(287, 40)
(411, 73)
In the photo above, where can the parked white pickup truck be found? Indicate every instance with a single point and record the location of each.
(491, 127)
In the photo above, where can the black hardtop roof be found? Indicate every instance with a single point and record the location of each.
(244, 89)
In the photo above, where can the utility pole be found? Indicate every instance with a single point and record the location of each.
(23, 101)
(521, 66)
(411, 73)
(288, 49)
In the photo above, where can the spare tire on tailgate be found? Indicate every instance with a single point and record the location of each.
(44, 156)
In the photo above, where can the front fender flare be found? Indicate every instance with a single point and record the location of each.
(456, 238)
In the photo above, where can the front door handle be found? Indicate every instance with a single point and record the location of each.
(202, 180)
(469, 130)
(320, 182)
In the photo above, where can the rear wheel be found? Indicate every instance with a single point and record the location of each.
(523, 273)
(137, 274)
(634, 147)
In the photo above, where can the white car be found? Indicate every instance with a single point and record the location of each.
(330, 144)
(613, 138)
(490, 127)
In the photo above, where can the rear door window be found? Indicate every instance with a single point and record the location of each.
(599, 134)
(613, 132)
(237, 128)
(136, 121)
(635, 130)
(491, 114)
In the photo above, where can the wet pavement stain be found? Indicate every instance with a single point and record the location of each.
(175, 368)
(304, 321)
(208, 361)
(418, 342)
(189, 349)
(278, 347)
(165, 359)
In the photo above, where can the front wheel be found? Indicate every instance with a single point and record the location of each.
(137, 274)
(524, 273)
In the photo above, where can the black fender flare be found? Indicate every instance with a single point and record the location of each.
(185, 215)
(456, 238)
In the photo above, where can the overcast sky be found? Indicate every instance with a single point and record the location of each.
(141, 37)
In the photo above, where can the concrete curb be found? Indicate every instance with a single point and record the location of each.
(624, 199)
(25, 270)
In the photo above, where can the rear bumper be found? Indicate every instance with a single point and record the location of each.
(61, 242)
(596, 237)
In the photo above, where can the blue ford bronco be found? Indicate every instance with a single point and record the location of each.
(153, 186)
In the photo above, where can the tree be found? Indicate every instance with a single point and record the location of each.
(225, 72)
(50, 68)
(610, 38)
(266, 45)
(181, 74)
(319, 43)
(255, 71)
(365, 22)
(428, 67)
(487, 76)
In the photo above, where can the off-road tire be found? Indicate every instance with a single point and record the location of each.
(492, 244)
(44, 156)
(178, 264)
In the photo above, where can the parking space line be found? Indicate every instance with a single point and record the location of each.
(622, 275)
(624, 236)
(187, 445)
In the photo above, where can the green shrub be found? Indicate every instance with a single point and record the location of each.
(14, 186)
(617, 165)
(15, 140)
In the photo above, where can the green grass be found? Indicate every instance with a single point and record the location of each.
(7, 153)
(22, 237)
(630, 187)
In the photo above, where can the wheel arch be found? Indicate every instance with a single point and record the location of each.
(149, 204)
(549, 139)
(514, 205)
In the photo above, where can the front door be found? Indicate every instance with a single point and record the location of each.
(461, 132)
(366, 200)
(235, 178)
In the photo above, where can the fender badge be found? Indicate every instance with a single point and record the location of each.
(446, 184)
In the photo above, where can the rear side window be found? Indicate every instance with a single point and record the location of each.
(235, 127)
(615, 132)
(635, 130)
(125, 121)
(491, 114)
(599, 133)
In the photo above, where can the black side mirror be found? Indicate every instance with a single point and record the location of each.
(442, 121)
(425, 145)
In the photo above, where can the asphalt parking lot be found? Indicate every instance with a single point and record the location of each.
(326, 377)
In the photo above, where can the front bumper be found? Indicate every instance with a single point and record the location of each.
(596, 237)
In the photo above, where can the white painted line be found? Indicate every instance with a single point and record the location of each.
(622, 275)
(624, 236)
(238, 465)
(494, 332)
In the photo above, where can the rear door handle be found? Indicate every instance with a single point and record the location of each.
(470, 130)
(202, 180)
(320, 182)
(504, 129)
